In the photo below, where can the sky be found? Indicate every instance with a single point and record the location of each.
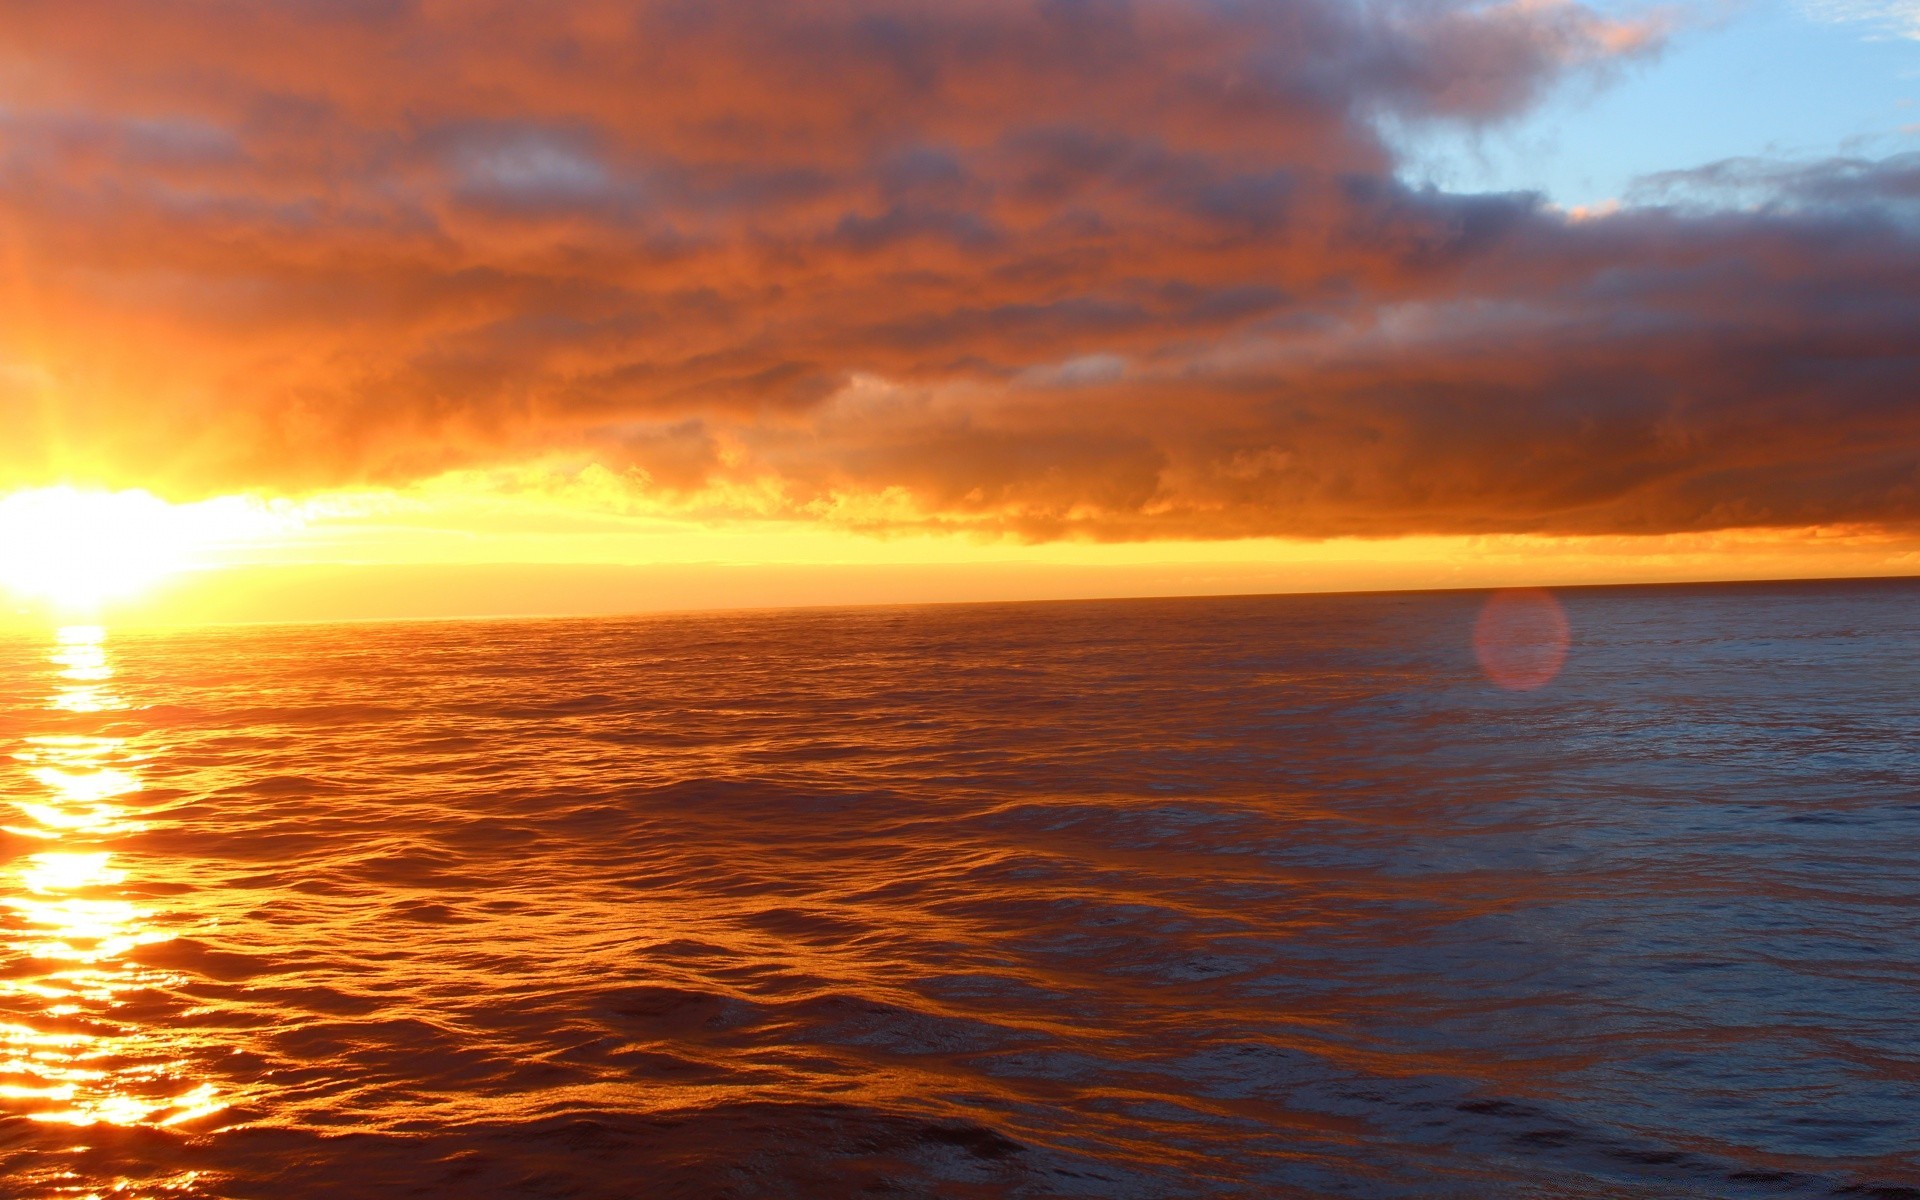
(1781, 81)
(321, 309)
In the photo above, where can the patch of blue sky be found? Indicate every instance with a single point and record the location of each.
(1771, 79)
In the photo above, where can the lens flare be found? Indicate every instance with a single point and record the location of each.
(1521, 638)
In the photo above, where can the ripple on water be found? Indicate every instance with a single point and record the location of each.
(1269, 897)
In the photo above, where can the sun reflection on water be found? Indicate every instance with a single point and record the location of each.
(71, 929)
(80, 651)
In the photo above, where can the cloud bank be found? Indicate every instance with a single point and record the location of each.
(1049, 268)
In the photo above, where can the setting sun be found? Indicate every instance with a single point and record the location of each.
(76, 549)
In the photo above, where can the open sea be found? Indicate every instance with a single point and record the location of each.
(1251, 897)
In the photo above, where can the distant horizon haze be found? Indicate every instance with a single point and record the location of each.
(328, 594)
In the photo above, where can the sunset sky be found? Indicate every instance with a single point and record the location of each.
(359, 308)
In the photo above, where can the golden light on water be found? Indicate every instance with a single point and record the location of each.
(80, 653)
(68, 1053)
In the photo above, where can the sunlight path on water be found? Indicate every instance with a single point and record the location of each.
(73, 924)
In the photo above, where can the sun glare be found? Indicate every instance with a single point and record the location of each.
(76, 549)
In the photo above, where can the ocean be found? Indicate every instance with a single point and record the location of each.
(1236, 897)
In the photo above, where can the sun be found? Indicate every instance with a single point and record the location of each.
(77, 549)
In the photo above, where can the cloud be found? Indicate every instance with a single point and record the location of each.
(1891, 18)
(1045, 268)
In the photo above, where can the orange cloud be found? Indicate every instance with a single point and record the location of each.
(1052, 267)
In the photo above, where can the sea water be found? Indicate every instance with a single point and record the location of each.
(1264, 897)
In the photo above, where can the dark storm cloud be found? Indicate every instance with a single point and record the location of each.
(1051, 267)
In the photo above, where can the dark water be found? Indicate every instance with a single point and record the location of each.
(1253, 897)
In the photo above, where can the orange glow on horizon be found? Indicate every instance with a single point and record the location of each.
(560, 544)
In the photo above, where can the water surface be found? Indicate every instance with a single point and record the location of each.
(1272, 897)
